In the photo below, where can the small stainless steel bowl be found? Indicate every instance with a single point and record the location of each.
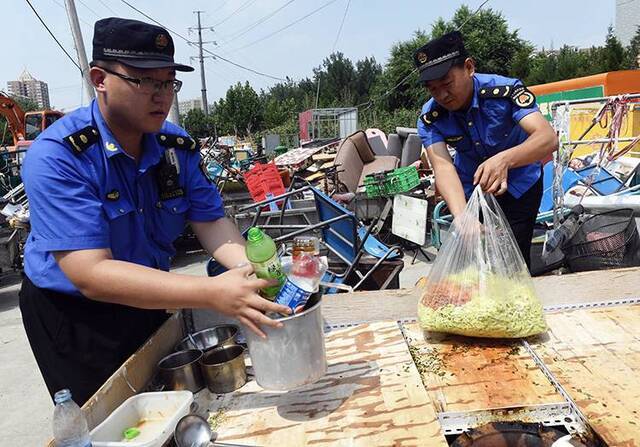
(222, 335)
(224, 369)
(181, 371)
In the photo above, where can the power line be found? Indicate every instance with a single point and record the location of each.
(241, 8)
(287, 26)
(245, 30)
(108, 7)
(333, 48)
(344, 16)
(474, 13)
(52, 35)
(63, 7)
(370, 102)
(204, 49)
(89, 8)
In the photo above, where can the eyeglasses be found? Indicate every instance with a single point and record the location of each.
(149, 85)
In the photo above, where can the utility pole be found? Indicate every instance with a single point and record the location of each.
(201, 57)
(79, 44)
(174, 112)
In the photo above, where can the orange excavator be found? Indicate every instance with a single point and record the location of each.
(25, 127)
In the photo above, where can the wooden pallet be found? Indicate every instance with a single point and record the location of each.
(468, 374)
(371, 396)
(595, 355)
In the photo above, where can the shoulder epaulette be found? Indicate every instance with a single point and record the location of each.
(177, 141)
(433, 115)
(519, 95)
(82, 139)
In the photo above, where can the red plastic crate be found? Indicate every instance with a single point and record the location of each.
(264, 179)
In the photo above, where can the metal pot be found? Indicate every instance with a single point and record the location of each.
(181, 371)
(224, 369)
(291, 356)
(221, 335)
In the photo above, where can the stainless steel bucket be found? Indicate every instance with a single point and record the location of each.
(221, 335)
(291, 356)
(181, 371)
(224, 369)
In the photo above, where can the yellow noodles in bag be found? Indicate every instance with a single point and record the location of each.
(482, 305)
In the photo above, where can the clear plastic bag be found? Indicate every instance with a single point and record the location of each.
(479, 284)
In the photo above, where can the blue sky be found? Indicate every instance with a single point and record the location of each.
(371, 27)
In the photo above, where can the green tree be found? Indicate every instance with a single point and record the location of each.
(393, 88)
(487, 38)
(198, 124)
(367, 72)
(337, 77)
(632, 60)
(613, 53)
(240, 111)
(277, 111)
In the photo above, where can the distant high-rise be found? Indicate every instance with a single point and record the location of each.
(627, 20)
(29, 87)
(190, 104)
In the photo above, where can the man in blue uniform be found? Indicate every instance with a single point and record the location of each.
(110, 187)
(496, 129)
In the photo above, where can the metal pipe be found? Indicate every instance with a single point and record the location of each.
(274, 199)
(290, 212)
(601, 141)
(311, 228)
(555, 104)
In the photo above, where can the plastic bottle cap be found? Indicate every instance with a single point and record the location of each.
(62, 396)
(131, 433)
(255, 234)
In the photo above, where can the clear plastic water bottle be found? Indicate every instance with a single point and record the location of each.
(69, 424)
(302, 281)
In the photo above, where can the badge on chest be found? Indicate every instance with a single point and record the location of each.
(167, 176)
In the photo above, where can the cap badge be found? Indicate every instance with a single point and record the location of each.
(422, 57)
(161, 41)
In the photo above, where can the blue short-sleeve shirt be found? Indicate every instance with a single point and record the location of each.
(85, 192)
(489, 126)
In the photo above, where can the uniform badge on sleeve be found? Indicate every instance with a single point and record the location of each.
(522, 97)
(113, 195)
(453, 140)
(82, 139)
(496, 91)
(431, 116)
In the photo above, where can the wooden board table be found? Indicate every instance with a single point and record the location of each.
(595, 355)
(463, 374)
(371, 396)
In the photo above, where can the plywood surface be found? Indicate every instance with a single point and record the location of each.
(553, 290)
(371, 396)
(466, 374)
(595, 355)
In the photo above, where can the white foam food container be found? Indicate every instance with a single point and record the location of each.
(154, 414)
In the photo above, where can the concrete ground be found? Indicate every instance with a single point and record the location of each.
(25, 406)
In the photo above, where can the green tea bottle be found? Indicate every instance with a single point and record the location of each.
(262, 253)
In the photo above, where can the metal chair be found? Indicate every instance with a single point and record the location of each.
(341, 233)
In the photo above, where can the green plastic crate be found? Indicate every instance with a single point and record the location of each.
(392, 182)
(402, 180)
(374, 185)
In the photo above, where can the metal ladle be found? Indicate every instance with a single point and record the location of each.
(194, 431)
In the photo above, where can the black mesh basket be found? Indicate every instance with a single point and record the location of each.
(606, 240)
